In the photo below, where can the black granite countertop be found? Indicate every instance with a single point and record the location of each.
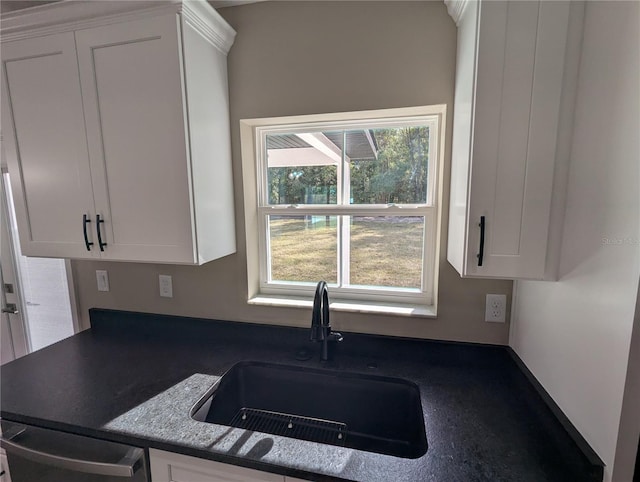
(133, 377)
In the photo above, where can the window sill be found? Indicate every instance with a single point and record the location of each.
(350, 306)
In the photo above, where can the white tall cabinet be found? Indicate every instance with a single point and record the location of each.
(116, 121)
(515, 82)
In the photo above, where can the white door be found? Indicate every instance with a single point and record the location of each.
(13, 337)
(13, 342)
(37, 294)
(7, 346)
(45, 142)
(131, 79)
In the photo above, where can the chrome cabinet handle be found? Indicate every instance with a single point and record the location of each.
(85, 221)
(125, 468)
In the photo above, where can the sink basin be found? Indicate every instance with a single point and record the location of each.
(365, 412)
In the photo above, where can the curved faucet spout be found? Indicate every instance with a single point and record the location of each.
(320, 314)
(320, 326)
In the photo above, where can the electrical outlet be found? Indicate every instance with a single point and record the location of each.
(496, 308)
(166, 286)
(102, 278)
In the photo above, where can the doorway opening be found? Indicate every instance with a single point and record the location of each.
(38, 296)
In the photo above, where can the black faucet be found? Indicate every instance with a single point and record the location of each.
(320, 327)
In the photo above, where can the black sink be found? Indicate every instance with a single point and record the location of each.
(365, 412)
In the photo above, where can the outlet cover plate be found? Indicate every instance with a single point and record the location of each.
(166, 286)
(102, 278)
(496, 308)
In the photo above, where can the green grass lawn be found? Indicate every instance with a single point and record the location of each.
(384, 251)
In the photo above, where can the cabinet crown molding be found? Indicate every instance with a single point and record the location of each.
(69, 15)
(456, 8)
(202, 17)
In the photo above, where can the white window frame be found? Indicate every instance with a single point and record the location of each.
(349, 298)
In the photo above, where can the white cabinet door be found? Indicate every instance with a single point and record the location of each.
(170, 467)
(131, 78)
(509, 88)
(44, 137)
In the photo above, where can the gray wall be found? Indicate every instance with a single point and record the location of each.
(313, 57)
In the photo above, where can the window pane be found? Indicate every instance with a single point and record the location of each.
(302, 168)
(389, 165)
(303, 248)
(387, 251)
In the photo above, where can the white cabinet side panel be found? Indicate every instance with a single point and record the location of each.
(547, 98)
(44, 136)
(131, 80)
(210, 142)
(462, 130)
(565, 136)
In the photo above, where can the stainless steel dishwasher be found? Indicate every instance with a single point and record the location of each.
(40, 455)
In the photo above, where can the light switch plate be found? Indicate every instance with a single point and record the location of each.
(103, 279)
(166, 286)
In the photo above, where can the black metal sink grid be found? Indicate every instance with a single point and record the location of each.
(365, 412)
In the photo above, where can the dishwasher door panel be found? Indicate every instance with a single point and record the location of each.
(41, 455)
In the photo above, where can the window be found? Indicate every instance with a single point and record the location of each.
(350, 198)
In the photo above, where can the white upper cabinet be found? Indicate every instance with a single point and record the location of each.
(43, 123)
(121, 120)
(514, 85)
